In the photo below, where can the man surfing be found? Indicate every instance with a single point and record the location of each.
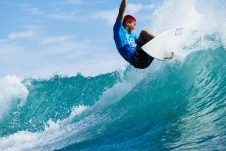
(127, 43)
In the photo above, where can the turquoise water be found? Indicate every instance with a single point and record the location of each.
(178, 105)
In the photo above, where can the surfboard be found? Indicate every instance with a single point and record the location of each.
(163, 45)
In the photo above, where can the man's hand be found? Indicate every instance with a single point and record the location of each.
(122, 10)
(171, 56)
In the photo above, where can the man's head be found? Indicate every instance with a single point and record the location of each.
(129, 23)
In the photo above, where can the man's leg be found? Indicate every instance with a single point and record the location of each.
(144, 37)
(141, 59)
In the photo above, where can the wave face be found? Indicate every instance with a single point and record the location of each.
(169, 106)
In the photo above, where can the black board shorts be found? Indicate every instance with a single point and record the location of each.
(141, 59)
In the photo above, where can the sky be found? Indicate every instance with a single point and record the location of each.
(40, 38)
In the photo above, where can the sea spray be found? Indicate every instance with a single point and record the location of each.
(12, 92)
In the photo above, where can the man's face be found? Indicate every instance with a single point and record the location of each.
(131, 26)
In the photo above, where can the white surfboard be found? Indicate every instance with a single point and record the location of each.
(170, 41)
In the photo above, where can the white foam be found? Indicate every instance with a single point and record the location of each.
(11, 89)
(77, 110)
(174, 13)
(19, 141)
(25, 140)
(204, 16)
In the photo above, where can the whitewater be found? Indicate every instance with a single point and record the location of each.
(172, 105)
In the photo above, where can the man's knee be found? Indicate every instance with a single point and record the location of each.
(147, 34)
(144, 32)
(145, 37)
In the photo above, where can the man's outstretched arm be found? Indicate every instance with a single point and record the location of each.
(122, 9)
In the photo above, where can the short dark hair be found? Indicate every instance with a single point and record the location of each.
(129, 19)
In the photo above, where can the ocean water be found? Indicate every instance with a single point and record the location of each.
(172, 105)
(169, 106)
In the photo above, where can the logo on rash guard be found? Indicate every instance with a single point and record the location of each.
(132, 42)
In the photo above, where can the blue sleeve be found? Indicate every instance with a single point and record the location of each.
(117, 25)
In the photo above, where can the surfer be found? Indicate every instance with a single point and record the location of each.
(127, 43)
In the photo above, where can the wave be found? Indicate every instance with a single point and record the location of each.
(176, 105)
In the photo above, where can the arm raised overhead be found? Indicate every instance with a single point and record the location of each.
(122, 9)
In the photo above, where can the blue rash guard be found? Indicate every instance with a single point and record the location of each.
(125, 42)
